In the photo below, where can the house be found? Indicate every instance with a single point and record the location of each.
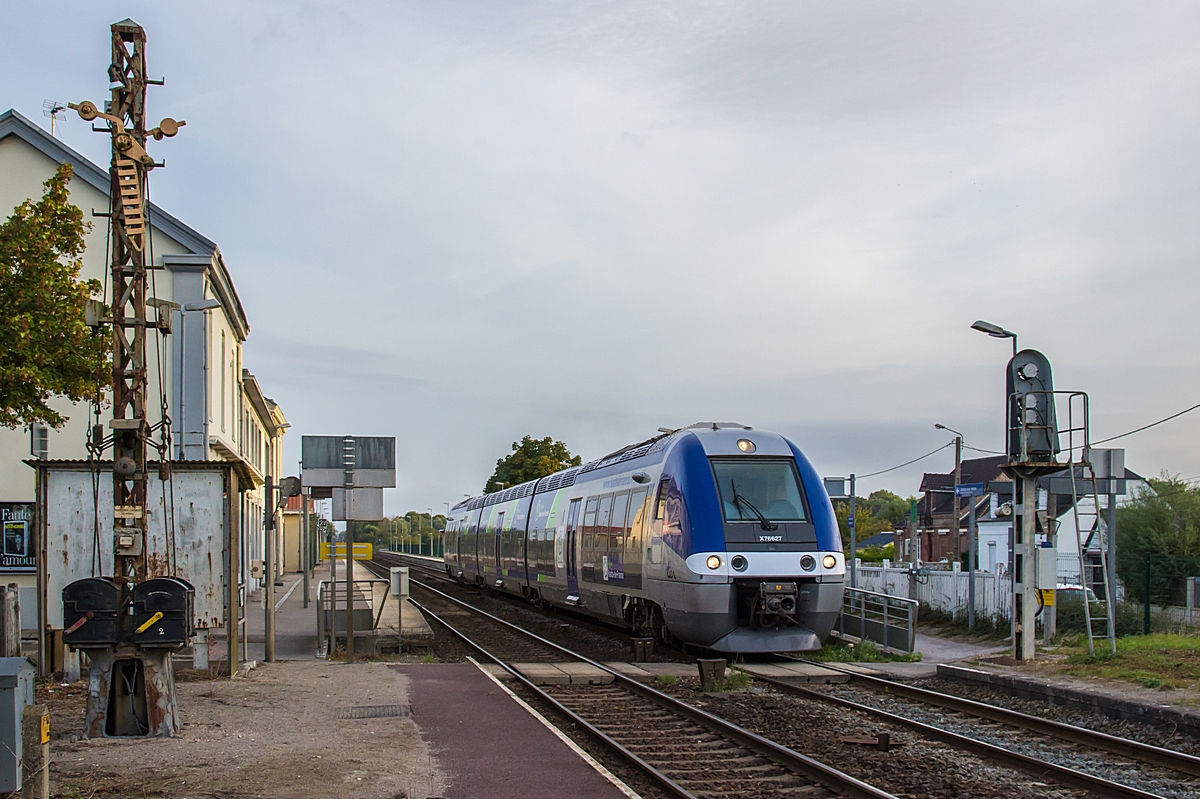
(219, 413)
(933, 539)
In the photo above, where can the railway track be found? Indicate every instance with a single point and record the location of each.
(681, 749)
(1172, 774)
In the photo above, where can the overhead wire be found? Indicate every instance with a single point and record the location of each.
(1148, 426)
(906, 463)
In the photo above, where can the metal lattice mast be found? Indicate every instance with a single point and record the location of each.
(127, 205)
(126, 116)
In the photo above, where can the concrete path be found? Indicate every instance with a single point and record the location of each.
(944, 650)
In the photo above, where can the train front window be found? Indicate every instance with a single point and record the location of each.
(753, 486)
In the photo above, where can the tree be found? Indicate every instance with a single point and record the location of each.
(1162, 521)
(46, 346)
(530, 459)
(886, 505)
(866, 523)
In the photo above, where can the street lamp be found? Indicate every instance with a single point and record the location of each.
(995, 331)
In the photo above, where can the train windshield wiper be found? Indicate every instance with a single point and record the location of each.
(739, 501)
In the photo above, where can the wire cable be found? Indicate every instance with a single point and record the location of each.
(906, 463)
(1147, 427)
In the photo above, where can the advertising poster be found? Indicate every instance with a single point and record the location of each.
(18, 554)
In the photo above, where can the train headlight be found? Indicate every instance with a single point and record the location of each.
(829, 561)
(738, 562)
(746, 445)
(808, 563)
(713, 562)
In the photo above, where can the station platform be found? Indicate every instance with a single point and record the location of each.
(487, 743)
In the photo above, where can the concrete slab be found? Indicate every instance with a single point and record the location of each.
(585, 674)
(543, 673)
(633, 670)
(779, 671)
(672, 669)
(900, 671)
(488, 744)
(803, 672)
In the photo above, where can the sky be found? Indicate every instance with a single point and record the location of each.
(461, 223)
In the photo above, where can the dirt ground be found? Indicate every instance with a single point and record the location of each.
(275, 733)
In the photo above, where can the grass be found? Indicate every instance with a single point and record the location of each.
(1162, 660)
(737, 680)
(666, 680)
(835, 651)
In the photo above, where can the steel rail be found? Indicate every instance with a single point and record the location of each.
(662, 780)
(1040, 769)
(1134, 750)
(839, 781)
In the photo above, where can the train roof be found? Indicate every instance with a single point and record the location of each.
(567, 477)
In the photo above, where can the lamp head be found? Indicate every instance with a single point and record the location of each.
(995, 331)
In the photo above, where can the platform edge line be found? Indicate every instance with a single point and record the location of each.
(591, 761)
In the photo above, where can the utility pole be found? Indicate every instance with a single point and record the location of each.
(850, 522)
(955, 525)
(972, 555)
(304, 544)
(145, 672)
(268, 571)
(348, 466)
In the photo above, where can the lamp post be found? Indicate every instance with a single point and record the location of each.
(1023, 535)
(995, 331)
(972, 543)
(958, 441)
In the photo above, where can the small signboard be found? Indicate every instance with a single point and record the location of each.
(362, 550)
(970, 490)
(18, 554)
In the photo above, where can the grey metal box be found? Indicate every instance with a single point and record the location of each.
(16, 691)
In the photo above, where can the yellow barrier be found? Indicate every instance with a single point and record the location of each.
(362, 550)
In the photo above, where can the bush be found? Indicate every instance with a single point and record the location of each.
(1129, 617)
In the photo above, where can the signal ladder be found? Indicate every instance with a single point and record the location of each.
(1097, 532)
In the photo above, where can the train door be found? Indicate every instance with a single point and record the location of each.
(635, 549)
(587, 549)
(572, 535)
(499, 528)
(614, 558)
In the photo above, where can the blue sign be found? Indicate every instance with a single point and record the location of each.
(970, 490)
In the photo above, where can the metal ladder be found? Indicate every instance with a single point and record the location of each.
(1097, 532)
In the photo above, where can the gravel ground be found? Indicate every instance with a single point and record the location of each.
(919, 768)
(1108, 766)
(275, 734)
(1167, 737)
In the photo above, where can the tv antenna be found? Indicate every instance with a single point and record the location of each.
(52, 108)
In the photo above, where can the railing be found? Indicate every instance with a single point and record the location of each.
(331, 606)
(889, 621)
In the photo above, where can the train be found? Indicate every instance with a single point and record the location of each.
(715, 536)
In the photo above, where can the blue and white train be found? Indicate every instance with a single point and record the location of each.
(716, 535)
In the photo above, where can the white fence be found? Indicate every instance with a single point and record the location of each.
(942, 590)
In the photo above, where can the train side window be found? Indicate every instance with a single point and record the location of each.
(618, 527)
(589, 523)
(637, 519)
(604, 522)
(660, 505)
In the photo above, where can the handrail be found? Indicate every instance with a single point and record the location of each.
(870, 618)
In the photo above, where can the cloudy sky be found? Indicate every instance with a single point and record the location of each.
(459, 223)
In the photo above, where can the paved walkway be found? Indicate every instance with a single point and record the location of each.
(945, 650)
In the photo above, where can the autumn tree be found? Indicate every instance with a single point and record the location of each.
(46, 347)
(530, 459)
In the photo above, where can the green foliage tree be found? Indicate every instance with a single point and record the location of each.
(866, 524)
(530, 459)
(886, 505)
(1162, 521)
(46, 346)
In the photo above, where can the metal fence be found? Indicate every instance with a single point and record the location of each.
(945, 590)
(889, 621)
(331, 606)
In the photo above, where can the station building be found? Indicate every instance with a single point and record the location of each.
(219, 412)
